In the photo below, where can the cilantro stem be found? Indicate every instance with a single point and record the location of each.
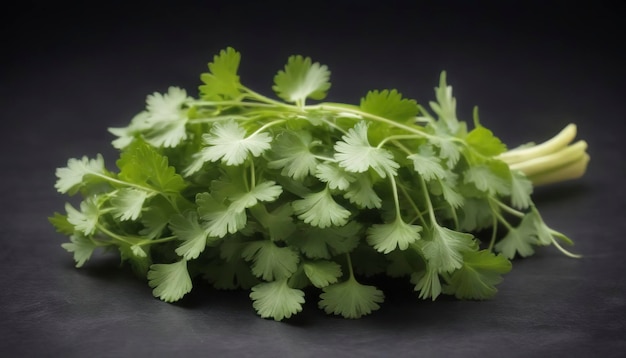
(396, 137)
(216, 119)
(113, 235)
(267, 125)
(507, 208)
(266, 99)
(252, 175)
(374, 117)
(350, 269)
(413, 205)
(494, 233)
(429, 204)
(233, 103)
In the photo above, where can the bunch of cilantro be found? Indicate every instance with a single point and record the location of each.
(280, 197)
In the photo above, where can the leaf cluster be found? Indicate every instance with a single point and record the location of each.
(279, 197)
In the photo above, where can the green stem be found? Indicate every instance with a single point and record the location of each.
(396, 137)
(350, 269)
(374, 117)
(429, 204)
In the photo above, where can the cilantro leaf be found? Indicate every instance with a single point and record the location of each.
(445, 106)
(170, 282)
(302, 79)
(292, 151)
(276, 300)
(60, 223)
(444, 248)
(279, 223)
(397, 234)
(227, 142)
(72, 177)
(85, 220)
(269, 261)
(477, 278)
(427, 282)
(355, 154)
(222, 79)
(324, 243)
(518, 240)
(320, 209)
(127, 203)
(486, 180)
(220, 219)
(389, 104)
(361, 193)
(427, 164)
(521, 188)
(334, 176)
(187, 228)
(266, 191)
(143, 165)
(321, 272)
(82, 248)
(350, 299)
(484, 142)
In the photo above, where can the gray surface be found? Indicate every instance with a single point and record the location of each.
(69, 76)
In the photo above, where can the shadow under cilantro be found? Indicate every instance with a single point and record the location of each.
(560, 193)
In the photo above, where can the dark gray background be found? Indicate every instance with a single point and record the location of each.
(70, 71)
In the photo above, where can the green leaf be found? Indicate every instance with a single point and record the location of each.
(72, 177)
(187, 228)
(141, 164)
(445, 107)
(361, 193)
(448, 149)
(389, 104)
(162, 124)
(222, 80)
(521, 189)
(220, 219)
(334, 176)
(427, 282)
(320, 209)
(292, 153)
(302, 79)
(276, 300)
(227, 142)
(519, 240)
(60, 223)
(477, 278)
(318, 243)
(279, 223)
(322, 273)
(427, 164)
(170, 282)
(155, 217)
(266, 191)
(350, 299)
(269, 261)
(445, 247)
(450, 194)
(86, 219)
(397, 234)
(487, 180)
(82, 248)
(127, 203)
(484, 142)
(134, 255)
(355, 154)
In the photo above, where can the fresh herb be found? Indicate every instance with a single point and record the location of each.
(281, 196)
